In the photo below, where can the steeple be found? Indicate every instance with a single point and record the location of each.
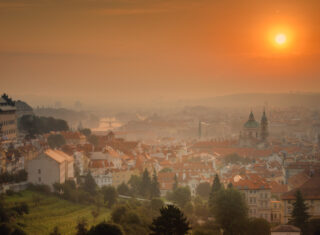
(264, 126)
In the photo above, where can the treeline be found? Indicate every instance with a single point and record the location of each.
(17, 177)
(144, 186)
(34, 125)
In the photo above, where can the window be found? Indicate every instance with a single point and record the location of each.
(39, 171)
(39, 179)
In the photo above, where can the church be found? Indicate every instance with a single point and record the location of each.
(255, 134)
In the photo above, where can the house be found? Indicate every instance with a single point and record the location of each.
(285, 230)
(49, 167)
(310, 191)
(103, 179)
(257, 194)
(74, 138)
(8, 118)
(275, 212)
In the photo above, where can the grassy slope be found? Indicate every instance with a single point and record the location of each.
(52, 212)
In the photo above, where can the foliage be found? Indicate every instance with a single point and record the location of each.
(166, 169)
(216, 187)
(203, 190)
(86, 132)
(258, 226)
(56, 141)
(105, 228)
(55, 231)
(123, 189)
(181, 196)
(156, 204)
(230, 211)
(109, 195)
(16, 177)
(135, 184)
(176, 183)
(89, 184)
(171, 221)
(93, 139)
(299, 215)
(154, 187)
(201, 209)
(35, 125)
(82, 227)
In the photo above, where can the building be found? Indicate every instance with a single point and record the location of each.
(254, 134)
(285, 230)
(257, 194)
(275, 212)
(8, 118)
(49, 167)
(310, 191)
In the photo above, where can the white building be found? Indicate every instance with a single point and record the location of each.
(49, 167)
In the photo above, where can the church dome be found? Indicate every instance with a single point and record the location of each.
(251, 123)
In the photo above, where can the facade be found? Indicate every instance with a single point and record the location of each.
(49, 167)
(310, 191)
(103, 179)
(122, 176)
(257, 193)
(275, 212)
(8, 118)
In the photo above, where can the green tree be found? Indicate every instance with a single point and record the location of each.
(155, 190)
(230, 211)
(110, 195)
(135, 184)
(86, 132)
(203, 190)
(123, 189)
(55, 231)
(105, 228)
(145, 184)
(156, 204)
(216, 186)
(56, 141)
(258, 226)
(299, 215)
(82, 227)
(170, 222)
(90, 185)
(181, 196)
(93, 139)
(176, 183)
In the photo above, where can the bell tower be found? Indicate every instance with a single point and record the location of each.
(264, 132)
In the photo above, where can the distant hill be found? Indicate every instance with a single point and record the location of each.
(258, 99)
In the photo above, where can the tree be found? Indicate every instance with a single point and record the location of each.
(299, 215)
(145, 184)
(176, 183)
(135, 184)
(258, 226)
(155, 190)
(93, 139)
(86, 132)
(156, 204)
(56, 141)
(216, 186)
(123, 189)
(170, 222)
(230, 211)
(82, 227)
(181, 196)
(90, 185)
(55, 231)
(105, 228)
(110, 195)
(203, 189)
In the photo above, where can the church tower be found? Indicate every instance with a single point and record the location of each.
(264, 132)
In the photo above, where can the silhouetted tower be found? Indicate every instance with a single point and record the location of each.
(264, 127)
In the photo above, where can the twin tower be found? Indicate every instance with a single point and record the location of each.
(254, 133)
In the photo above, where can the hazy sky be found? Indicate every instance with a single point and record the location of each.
(146, 49)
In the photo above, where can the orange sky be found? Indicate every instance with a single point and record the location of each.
(141, 49)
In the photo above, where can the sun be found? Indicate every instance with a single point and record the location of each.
(280, 38)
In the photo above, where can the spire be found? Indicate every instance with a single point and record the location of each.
(251, 116)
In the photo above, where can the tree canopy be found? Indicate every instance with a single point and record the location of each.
(170, 222)
(299, 215)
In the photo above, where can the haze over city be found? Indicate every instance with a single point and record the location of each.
(159, 117)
